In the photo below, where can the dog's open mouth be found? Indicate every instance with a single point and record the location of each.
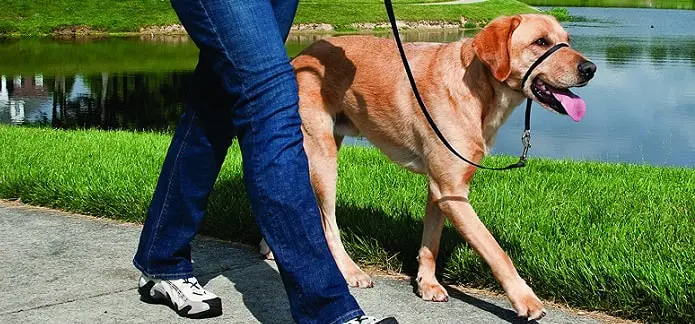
(561, 100)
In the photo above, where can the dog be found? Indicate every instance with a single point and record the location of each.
(357, 86)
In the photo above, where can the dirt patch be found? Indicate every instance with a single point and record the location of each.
(409, 25)
(174, 29)
(177, 29)
(312, 27)
(371, 26)
(80, 30)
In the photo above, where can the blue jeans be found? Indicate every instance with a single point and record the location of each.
(244, 86)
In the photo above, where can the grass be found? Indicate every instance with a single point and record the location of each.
(611, 237)
(42, 17)
(562, 14)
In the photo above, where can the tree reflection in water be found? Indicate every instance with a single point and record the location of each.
(142, 101)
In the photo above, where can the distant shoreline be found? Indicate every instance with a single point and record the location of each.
(308, 28)
(132, 17)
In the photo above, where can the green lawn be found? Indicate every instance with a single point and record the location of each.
(41, 17)
(610, 237)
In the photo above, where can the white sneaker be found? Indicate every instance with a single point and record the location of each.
(185, 296)
(371, 320)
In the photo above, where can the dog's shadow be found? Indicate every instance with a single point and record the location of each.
(259, 284)
(502, 313)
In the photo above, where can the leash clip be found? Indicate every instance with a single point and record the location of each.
(526, 141)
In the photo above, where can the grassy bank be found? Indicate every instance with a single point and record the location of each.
(42, 17)
(599, 236)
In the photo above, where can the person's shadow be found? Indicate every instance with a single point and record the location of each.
(257, 281)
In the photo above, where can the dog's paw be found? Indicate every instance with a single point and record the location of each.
(432, 291)
(357, 278)
(526, 304)
(264, 249)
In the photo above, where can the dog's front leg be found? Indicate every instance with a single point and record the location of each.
(463, 217)
(427, 285)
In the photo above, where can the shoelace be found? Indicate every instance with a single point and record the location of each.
(363, 320)
(194, 286)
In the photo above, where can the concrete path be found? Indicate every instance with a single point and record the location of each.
(64, 268)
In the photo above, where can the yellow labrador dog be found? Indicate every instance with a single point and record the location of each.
(356, 85)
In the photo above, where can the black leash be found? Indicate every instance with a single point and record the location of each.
(526, 135)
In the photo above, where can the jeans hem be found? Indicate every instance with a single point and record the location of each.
(163, 276)
(165, 202)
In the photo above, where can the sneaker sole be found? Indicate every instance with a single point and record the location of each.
(214, 304)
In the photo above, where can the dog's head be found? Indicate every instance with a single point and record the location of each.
(508, 46)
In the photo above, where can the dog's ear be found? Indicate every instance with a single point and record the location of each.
(492, 44)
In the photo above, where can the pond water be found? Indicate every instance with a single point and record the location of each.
(641, 104)
(660, 4)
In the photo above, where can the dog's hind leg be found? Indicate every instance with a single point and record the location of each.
(321, 147)
(427, 285)
(322, 151)
(264, 249)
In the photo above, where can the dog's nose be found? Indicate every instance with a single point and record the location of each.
(587, 69)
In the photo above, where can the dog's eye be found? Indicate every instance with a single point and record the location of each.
(541, 42)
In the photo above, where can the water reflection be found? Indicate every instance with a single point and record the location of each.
(620, 51)
(146, 101)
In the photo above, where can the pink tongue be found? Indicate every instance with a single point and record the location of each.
(575, 106)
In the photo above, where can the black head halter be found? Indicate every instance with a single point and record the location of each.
(540, 60)
(526, 135)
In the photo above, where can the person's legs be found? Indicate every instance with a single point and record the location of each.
(244, 44)
(188, 175)
(193, 161)
(195, 156)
